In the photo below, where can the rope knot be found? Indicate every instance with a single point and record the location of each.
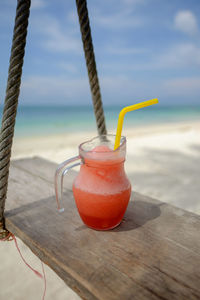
(5, 235)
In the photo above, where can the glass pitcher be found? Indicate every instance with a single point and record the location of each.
(101, 189)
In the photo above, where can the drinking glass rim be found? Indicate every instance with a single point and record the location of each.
(122, 142)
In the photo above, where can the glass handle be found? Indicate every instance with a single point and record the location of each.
(61, 171)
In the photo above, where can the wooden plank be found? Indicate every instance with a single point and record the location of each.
(42, 168)
(154, 254)
(172, 217)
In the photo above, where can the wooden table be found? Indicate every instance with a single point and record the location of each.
(153, 254)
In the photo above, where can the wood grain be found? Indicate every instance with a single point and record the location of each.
(153, 254)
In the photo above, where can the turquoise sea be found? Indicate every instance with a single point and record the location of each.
(45, 120)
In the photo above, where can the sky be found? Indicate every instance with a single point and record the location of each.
(143, 48)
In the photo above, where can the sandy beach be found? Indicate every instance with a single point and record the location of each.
(162, 162)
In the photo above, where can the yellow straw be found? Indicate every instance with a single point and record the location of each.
(122, 114)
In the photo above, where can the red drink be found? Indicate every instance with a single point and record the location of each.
(101, 189)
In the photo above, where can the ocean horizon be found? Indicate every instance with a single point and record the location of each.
(34, 120)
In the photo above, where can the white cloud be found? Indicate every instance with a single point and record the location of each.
(124, 89)
(120, 86)
(63, 90)
(54, 36)
(189, 87)
(116, 21)
(117, 15)
(69, 67)
(176, 57)
(186, 22)
(57, 90)
(133, 2)
(115, 89)
(182, 55)
(59, 41)
(120, 50)
(36, 4)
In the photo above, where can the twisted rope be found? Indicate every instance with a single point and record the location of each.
(91, 65)
(11, 100)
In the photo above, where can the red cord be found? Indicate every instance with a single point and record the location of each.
(7, 238)
(45, 282)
